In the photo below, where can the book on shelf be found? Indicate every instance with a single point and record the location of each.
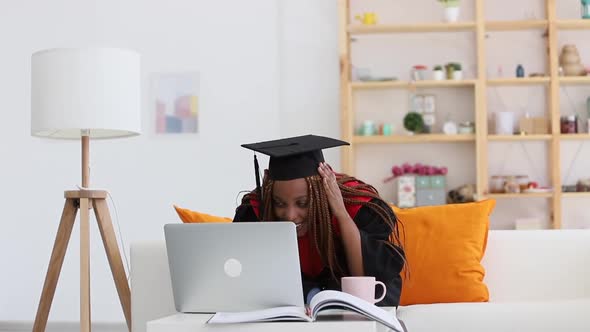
(324, 300)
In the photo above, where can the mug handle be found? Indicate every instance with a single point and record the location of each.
(384, 290)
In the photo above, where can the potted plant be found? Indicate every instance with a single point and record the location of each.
(458, 71)
(438, 73)
(450, 70)
(414, 123)
(451, 10)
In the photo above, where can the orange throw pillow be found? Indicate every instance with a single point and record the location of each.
(444, 246)
(189, 216)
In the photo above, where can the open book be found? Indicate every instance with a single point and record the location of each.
(323, 300)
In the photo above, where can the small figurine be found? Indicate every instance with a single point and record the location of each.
(368, 18)
(519, 71)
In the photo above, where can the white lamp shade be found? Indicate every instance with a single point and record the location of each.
(91, 91)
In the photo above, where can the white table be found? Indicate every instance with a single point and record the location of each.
(333, 321)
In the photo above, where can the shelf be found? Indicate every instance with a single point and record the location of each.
(574, 136)
(516, 25)
(522, 195)
(573, 24)
(481, 145)
(413, 84)
(575, 194)
(574, 80)
(519, 81)
(511, 138)
(408, 28)
(421, 138)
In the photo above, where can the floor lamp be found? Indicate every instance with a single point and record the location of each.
(83, 94)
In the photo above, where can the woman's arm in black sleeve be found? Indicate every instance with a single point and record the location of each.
(380, 258)
(245, 212)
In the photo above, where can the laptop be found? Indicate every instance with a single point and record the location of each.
(233, 266)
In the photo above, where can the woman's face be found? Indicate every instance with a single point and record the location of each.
(291, 202)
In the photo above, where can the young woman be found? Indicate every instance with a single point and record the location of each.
(343, 227)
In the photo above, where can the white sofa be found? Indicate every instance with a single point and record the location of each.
(538, 281)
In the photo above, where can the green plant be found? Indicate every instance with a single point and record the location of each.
(438, 67)
(414, 122)
(457, 66)
(450, 69)
(449, 3)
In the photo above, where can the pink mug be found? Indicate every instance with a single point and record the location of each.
(363, 287)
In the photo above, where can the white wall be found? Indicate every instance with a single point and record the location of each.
(309, 89)
(232, 43)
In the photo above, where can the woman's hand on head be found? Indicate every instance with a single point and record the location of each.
(335, 200)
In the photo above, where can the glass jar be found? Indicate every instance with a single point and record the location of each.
(569, 124)
(466, 128)
(523, 182)
(497, 184)
(368, 128)
(511, 186)
(586, 9)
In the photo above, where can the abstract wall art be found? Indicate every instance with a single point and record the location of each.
(176, 102)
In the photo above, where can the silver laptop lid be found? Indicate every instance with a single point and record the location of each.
(233, 266)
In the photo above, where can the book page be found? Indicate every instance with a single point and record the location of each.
(272, 314)
(335, 299)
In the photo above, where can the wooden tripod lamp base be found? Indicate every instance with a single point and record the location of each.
(83, 200)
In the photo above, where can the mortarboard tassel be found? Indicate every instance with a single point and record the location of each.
(258, 188)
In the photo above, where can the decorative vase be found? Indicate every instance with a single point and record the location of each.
(519, 71)
(569, 59)
(457, 75)
(452, 14)
(438, 75)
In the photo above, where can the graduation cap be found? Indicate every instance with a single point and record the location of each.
(292, 158)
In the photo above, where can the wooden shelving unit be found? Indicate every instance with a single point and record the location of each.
(519, 81)
(574, 136)
(573, 24)
(580, 194)
(574, 80)
(413, 84)
(552, 25)
(516, 25)
(516, 138)
(411, 28)
(424, 138)
(521, 195)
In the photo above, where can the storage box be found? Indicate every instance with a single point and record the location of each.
(534, 126)
(406, 191)
(430, 190)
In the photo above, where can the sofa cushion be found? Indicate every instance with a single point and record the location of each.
(565, 315)
(190, 216)
(444, 246)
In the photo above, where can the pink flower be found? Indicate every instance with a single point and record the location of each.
(407, 168)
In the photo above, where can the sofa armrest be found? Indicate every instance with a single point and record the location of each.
(151, 288)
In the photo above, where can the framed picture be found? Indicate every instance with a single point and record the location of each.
(176, 102)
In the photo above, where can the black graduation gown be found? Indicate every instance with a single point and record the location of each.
(379, 259)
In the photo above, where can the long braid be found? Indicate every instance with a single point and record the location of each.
(320, 219)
